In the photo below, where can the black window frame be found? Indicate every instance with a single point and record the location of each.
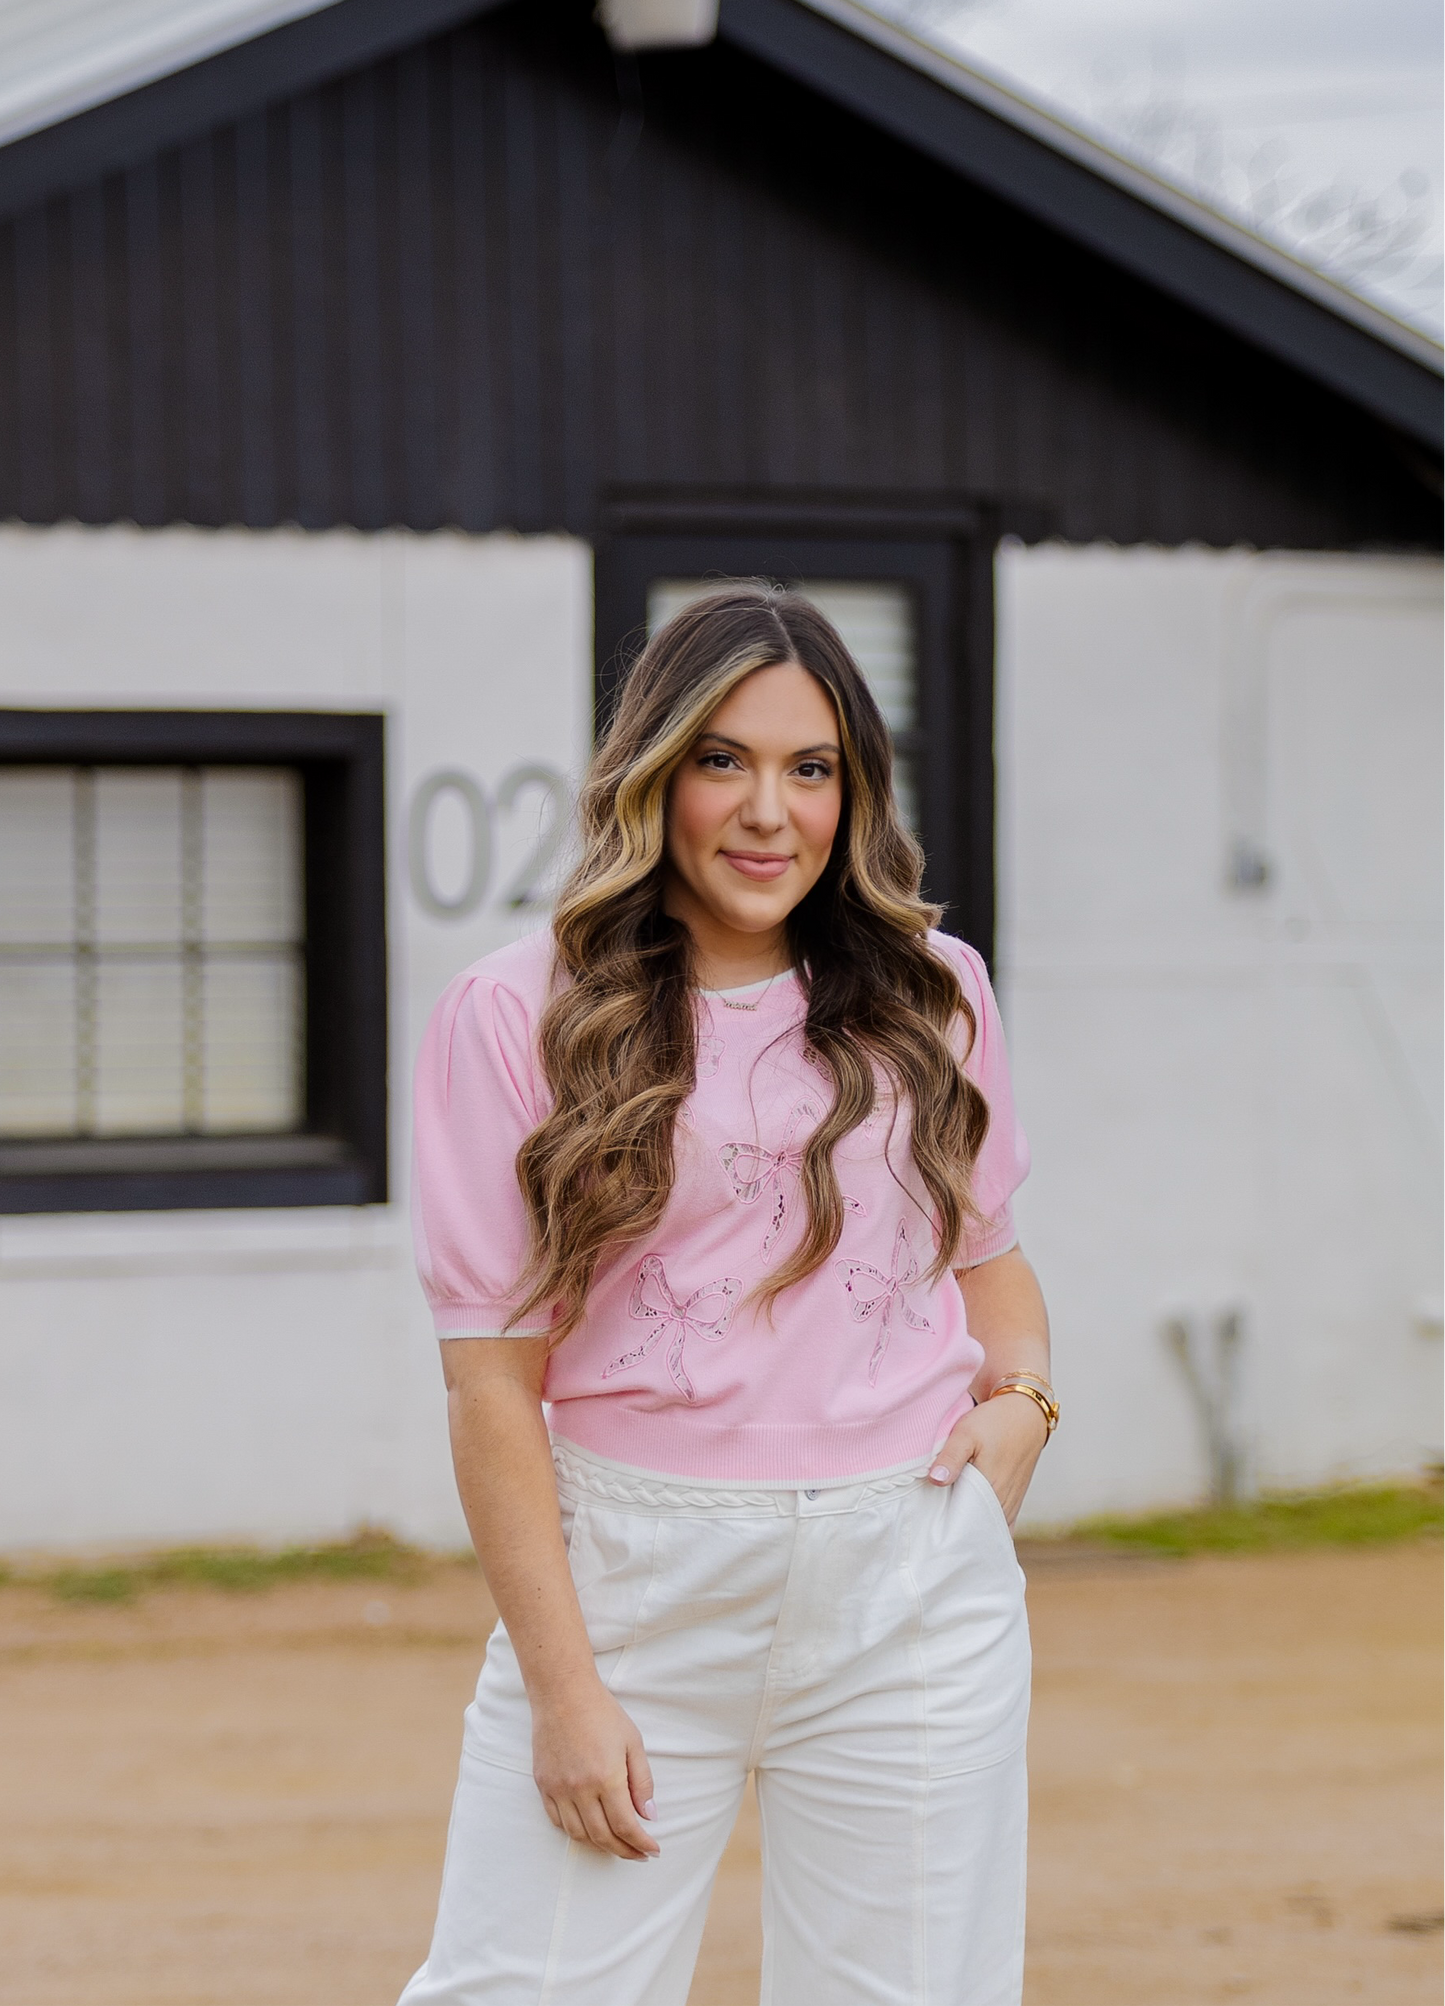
(942, 550)
(339, 1157)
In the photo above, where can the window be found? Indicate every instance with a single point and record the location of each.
(192, 1005)
(909, 586)
(152, 951)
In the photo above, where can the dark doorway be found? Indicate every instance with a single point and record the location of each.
(911, 590)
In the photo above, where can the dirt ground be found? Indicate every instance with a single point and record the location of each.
(215, 1800)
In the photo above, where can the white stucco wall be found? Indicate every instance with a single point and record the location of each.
(270, 1375)
(1233, 1092)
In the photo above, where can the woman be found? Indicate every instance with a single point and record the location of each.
(721, 1170)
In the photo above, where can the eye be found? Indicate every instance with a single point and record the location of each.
(814, 769)
(717, 762)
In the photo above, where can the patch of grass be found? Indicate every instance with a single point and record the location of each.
(1280, 1522)
(92, 1584)
(370, 1556)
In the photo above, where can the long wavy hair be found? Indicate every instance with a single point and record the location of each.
(618, 1039)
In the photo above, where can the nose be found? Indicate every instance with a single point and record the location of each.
(764, 809)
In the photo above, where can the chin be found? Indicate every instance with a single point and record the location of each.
(753, 915)
(749, 920)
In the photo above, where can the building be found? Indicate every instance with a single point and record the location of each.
(368, 374)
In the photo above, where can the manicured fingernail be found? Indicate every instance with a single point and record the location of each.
(649, 1809)
(939, 1473)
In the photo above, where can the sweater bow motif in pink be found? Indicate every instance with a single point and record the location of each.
(706, 1314)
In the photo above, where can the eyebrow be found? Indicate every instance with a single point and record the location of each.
(717, 738)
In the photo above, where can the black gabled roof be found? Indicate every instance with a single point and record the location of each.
(876, 71)
(477, 274)
(1078, 187)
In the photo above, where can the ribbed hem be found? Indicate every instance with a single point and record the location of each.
(686, 1445)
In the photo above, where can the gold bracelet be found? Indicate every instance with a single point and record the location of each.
(1047, 1407)
(1034, 1379)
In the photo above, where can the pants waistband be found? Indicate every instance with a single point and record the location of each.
(581, 1476)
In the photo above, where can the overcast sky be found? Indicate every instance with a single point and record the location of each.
(1262, 104)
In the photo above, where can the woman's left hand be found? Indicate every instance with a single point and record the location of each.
(1005, 1437)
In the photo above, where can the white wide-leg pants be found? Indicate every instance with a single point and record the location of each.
(863, 1649)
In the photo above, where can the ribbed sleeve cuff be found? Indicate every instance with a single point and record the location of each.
(988, 1246)
(482, 1319)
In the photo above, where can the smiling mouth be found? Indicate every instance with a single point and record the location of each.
(757, 864)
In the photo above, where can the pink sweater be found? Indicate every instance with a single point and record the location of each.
(865, 1366)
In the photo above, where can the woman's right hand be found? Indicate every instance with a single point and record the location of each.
(592, 1770)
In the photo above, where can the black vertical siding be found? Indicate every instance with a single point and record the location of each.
(488, 281)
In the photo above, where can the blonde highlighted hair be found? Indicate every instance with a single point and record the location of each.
(619, 1037)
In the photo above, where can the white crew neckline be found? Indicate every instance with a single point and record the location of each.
(747, 988)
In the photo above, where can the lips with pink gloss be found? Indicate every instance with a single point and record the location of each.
(761, 867)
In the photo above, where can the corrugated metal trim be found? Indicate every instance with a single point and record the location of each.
(82, 52)
(324, 42)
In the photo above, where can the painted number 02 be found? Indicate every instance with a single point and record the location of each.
(528, 887)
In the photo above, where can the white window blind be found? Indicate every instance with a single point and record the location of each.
(151, 951)
(877, 625)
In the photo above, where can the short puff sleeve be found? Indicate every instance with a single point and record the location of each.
(476, 1102)
(1003, 1162)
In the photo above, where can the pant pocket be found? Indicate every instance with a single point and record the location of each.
(613, 1557)
(988, 1497)
(974, 1640)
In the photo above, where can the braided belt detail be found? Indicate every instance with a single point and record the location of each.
(616, 1487)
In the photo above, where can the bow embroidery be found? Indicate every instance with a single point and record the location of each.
(705, 1314)
(752, 1171)
(877, 1294)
